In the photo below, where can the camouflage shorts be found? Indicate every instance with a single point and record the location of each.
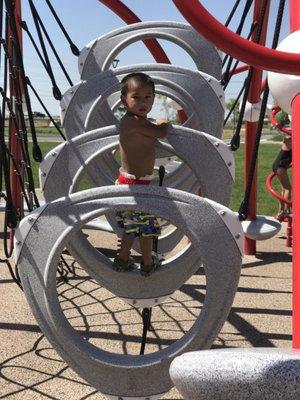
(138, 224)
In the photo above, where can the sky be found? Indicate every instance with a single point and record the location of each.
(85, 20)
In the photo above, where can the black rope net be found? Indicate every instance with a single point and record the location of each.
(19, 145)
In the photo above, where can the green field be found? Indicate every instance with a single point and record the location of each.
(266, 204)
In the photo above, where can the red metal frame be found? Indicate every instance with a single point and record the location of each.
(287, 218)
(233, 44)
(251, 127)
(295, 25)
(275, 123)
(278, 196)
(239, 69)
(129, 17)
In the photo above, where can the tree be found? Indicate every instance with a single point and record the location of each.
(37, 114)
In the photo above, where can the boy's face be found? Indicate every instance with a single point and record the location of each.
(139, 98)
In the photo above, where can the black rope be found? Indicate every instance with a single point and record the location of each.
(74, 48)
(17, 67)
(235, 141)
(25, 154)
(234, 104)
(54, 50)
(10, 211)
(24, 26)
(36, 151)
(244, 207)
(240, 26)
(44, 108)
(228, 74)
(24, 149)
(238, 32)
(237, 3)
(55, 89)
(15, 275)
(146, 317)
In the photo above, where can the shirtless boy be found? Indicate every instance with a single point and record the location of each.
(137, 141)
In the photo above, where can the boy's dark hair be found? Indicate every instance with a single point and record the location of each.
(137, 77)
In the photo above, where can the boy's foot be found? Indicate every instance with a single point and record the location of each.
(120, 265)
(147, 270)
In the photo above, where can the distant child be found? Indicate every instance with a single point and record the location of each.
(137, 149)
(280, 166)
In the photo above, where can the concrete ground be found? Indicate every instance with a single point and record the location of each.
(31, 369)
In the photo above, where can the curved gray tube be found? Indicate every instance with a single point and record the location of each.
(98, 55)
(216, 236)
(209, 158)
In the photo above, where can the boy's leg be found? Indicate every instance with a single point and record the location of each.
(126, 245)
(286, 186)
(146, 244)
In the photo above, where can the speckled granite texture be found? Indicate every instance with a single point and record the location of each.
(47, 234)
(238, 374)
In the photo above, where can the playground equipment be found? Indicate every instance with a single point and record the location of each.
(138, 376)
(270, 372)
(285, 87)
(88, 153)
(214, 231)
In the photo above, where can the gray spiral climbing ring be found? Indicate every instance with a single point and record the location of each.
(52, 227)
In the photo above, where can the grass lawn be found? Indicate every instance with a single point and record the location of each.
(266, 203)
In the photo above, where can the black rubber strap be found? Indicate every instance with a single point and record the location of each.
(74, 48)
(54, 50)
(236, 137)
(44, 108)
(228, 74)
(240, 27)
(244, 207)
(55, 89)
(19, 85)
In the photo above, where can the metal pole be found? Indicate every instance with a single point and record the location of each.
(14, 144)
(251, 127)
(295, 25)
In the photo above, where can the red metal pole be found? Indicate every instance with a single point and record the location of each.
(14, 145)
(295, 25)
(235, 45)
(251, 127)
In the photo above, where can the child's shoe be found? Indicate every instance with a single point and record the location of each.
(147, 270)
(120, 265)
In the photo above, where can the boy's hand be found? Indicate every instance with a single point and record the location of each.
(160, 121)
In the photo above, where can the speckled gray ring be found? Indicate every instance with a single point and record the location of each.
(84, 112)
(216, 235)
(209, 158)
(81, 104)
(238, 374)
(98, 55)
(205, 99)
(100, 172)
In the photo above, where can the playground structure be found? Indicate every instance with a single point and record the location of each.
(59, 226)
(270, 177)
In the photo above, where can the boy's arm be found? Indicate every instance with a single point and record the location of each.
(144, 127)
